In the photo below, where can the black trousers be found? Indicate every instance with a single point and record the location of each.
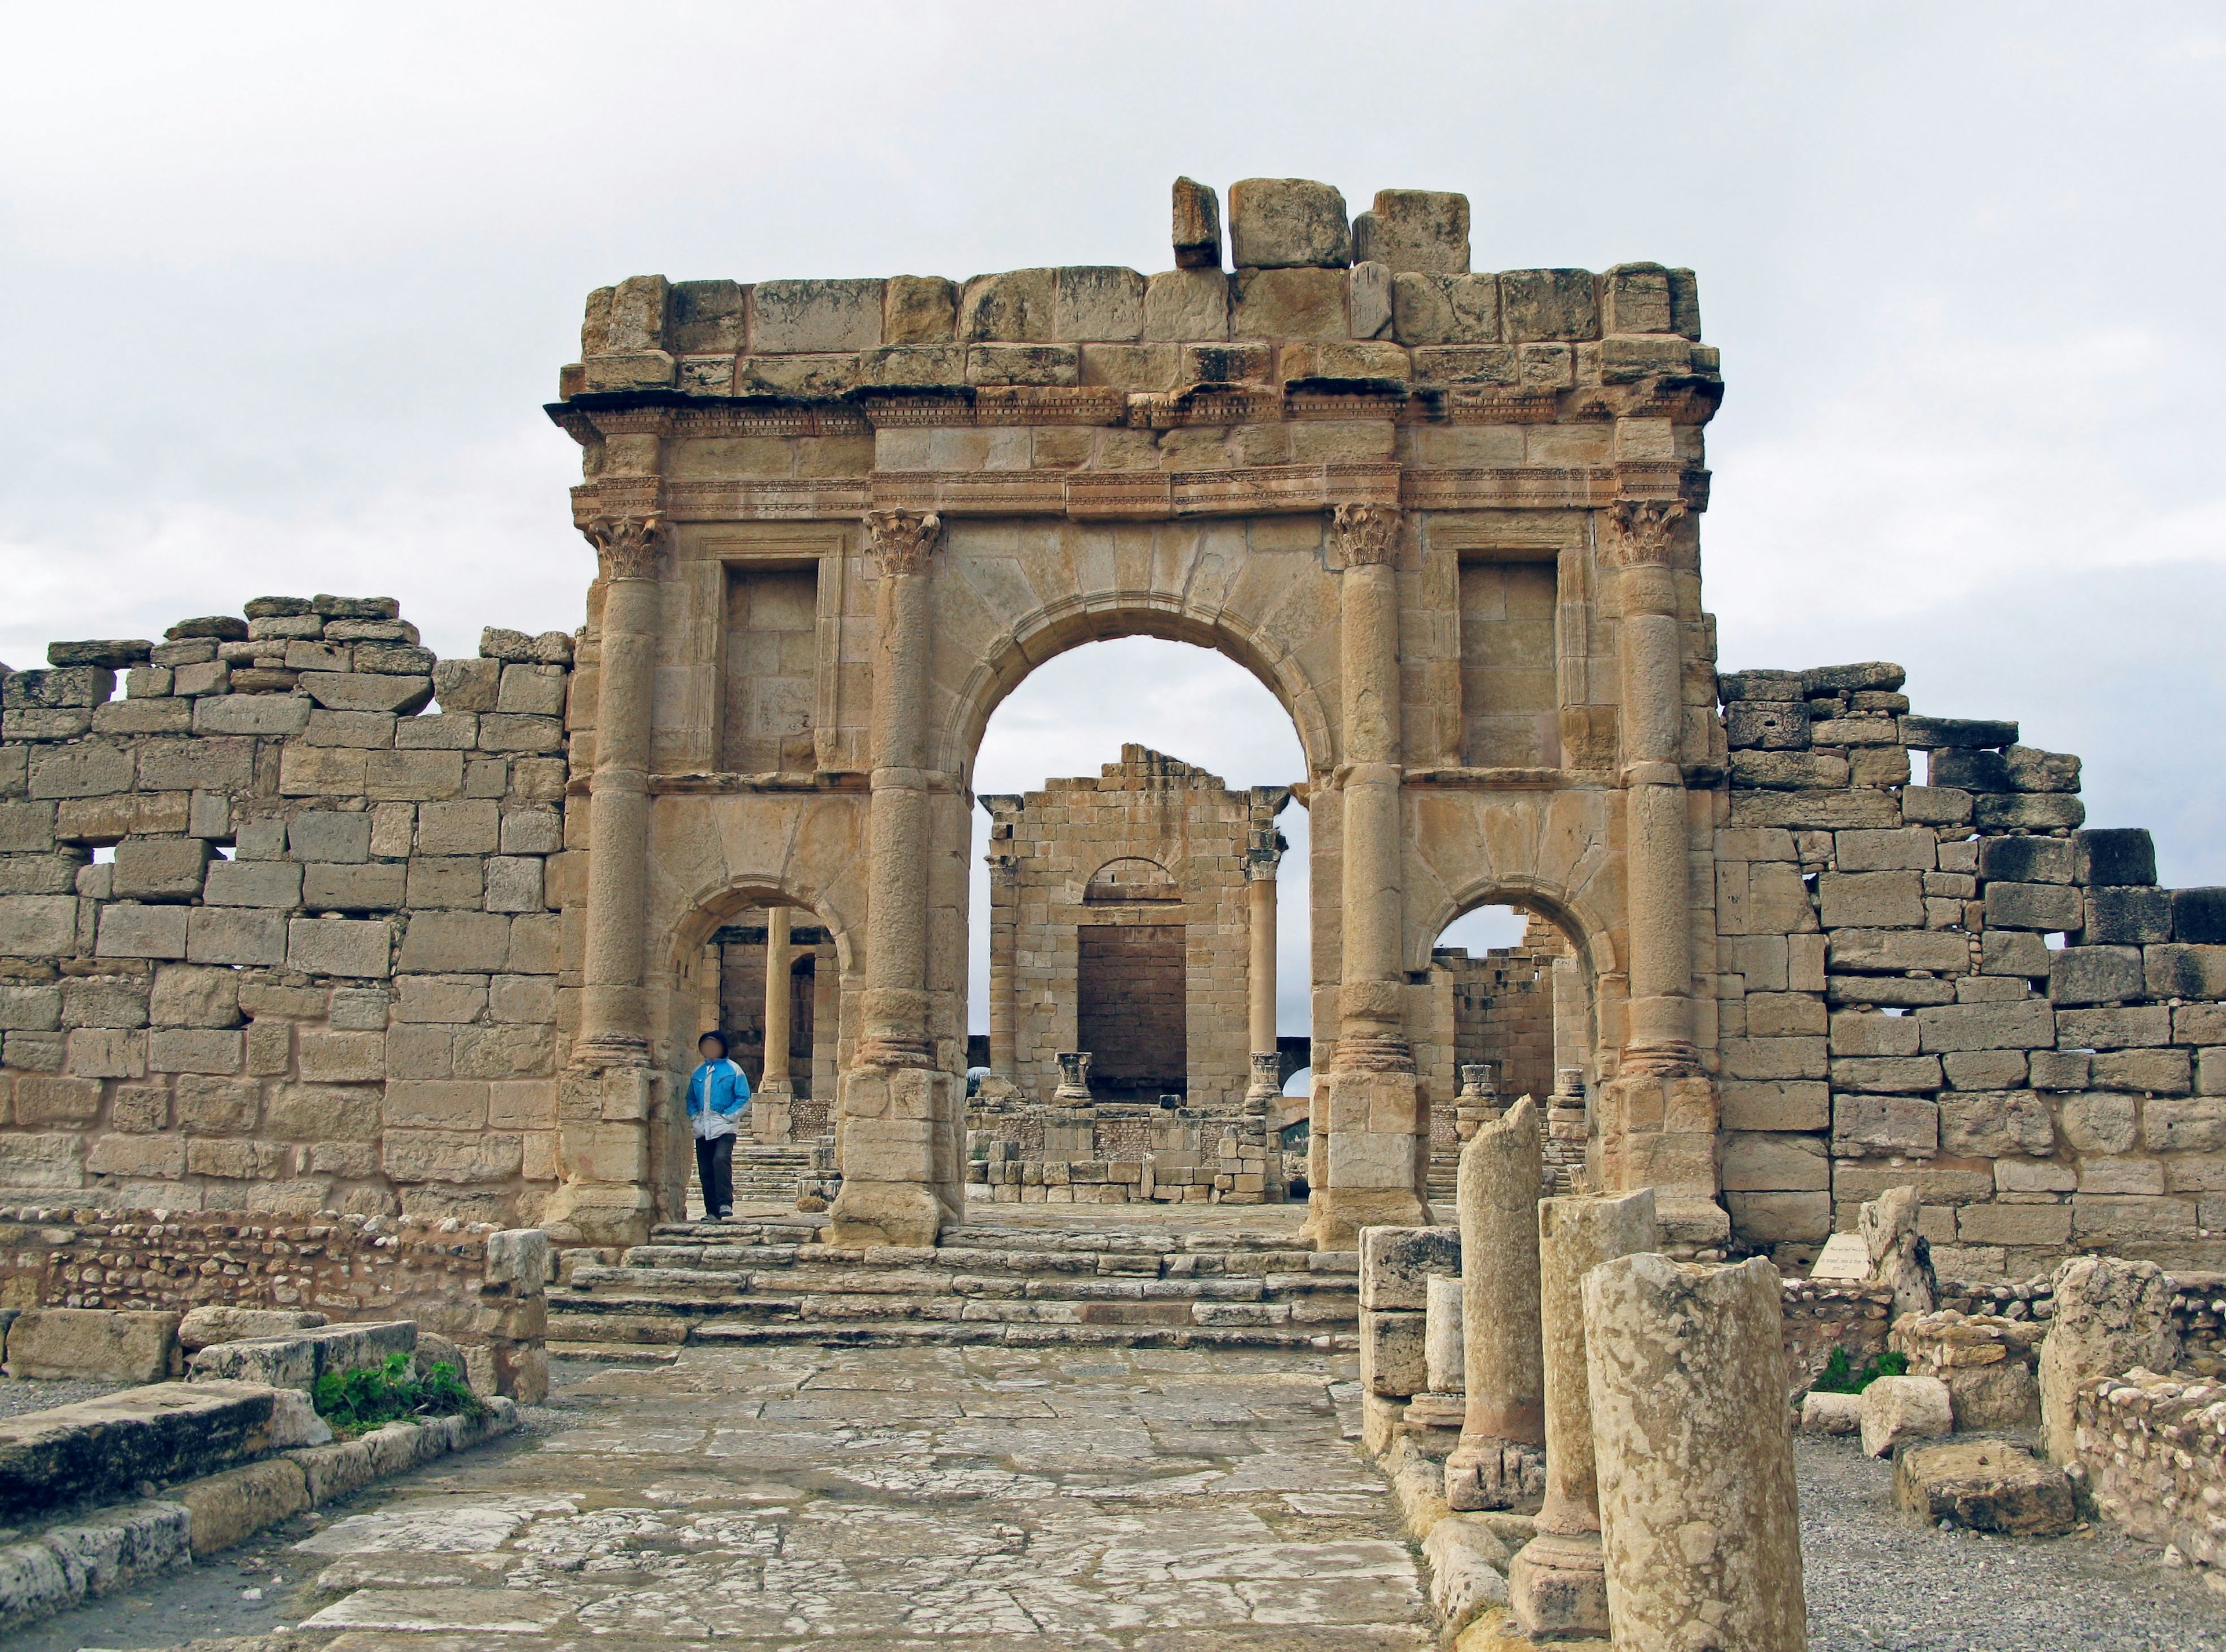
(714, 1168)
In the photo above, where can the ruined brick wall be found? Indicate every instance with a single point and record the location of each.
(1954, 985)
(352, 1267)
(1058, 855)
(275, 936)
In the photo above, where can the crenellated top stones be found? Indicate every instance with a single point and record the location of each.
(1315, 296)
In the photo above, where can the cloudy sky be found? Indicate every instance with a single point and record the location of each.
(283, 287)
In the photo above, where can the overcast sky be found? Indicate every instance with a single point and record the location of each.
(283, 290)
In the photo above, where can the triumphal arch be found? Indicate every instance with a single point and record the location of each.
(1450, 519)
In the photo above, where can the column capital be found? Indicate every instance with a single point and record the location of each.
(1263, 854)
(902, 541)
(1367, 534)
(627, 544)
(1643, 528)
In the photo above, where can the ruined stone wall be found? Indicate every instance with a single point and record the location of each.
(275, 936)
(2151, 1450)
(441, 1274)
(1952, 984)
(1151, 844)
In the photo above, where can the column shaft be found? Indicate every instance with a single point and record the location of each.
(778, 988)
(612, 1022)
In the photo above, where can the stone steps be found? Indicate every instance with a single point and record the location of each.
(773, 1280)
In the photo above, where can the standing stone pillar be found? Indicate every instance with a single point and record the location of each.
(2111, 1315)
(897, 1146)
(1260, 863)
(1658, 1113)
(1004, 939)
(1376, 1155)
(1497, 1464)
(775, 1094)
(1694, 1450)
(1558, 1584)
(608, 1095)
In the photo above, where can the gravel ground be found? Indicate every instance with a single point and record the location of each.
(1876, 1580)
(19, 1395)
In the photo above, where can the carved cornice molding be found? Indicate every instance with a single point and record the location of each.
(902, 541)
(627, 544)
(1368, 535)
(1643, 532)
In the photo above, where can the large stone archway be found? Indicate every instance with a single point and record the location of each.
(1478, 599)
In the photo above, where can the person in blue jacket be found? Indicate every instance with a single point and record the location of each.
(718, 1097)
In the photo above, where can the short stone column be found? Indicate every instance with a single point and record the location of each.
(899, 1143)
(1558, 1584)
(1693, 1446)
(1073, 1078)
(769, 1109)
(608, 1095)
(2110, 1317)
(1375, 1153)
(1498, 1463)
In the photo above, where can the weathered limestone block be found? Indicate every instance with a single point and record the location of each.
(1694, 1455)
(1896, 1409)
(1985, 1486)
(1498, 1462)
(1416, 230)
(1181, 306)
(1831, 1413)
(1287, 223)
(2110, 1317)
(804, 317)
(1445, 1353)
(1290, 303)
(1899, 1257)
(203, 1327)
(115, 1344)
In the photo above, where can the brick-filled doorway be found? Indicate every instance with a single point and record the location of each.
(1130, 1008)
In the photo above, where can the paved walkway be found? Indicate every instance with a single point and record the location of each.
(950, 1498)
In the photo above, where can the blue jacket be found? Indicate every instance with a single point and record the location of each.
(717, 1093)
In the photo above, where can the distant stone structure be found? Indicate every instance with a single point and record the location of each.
(275, 936)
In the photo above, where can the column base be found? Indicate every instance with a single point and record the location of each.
(770, 1112)
(885, 1213)
(1496, 1474)
(599, 1213)
(1557, 1587)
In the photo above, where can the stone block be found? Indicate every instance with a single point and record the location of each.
(918, 310)
(2018, 1025)
(272, 714)
(1287, 223)
(532, 691)
(466, 685)
(2014, 1224)
(27, 828)
(1015, 307)
(1294, 303)
(1776, 1105)
(2099, 1120)
(1831, 1413)
(2046, 906)
(194, 1049)
(159, 868)
(2095, 974)
(514, 884)
(106, 1053)
(28, 1007)
(1465, 364)
(253, 883)
(1908, 849)
(377, 886)
(1899, 1409)
(317, 1112)
(1097, 303)
(339, 946)
(2060, 1069)
(1984, 1485)
(235, 936)
(1774, 1015)
(2117, 856)
(129, 931)
(1936, 805)
(2019, 813)
(1550, 304)
(1185, 305)
(47, 1098)
(1775, 1163)
(1896, 951)
(2128, 916)
(1804, 1057)
(1423, 229)
(1450, 309)
(1635, 298)
(2180, 970)
(210, 1104)
(2025, 860)
(1896, 1074)
(1860, 1033)
(1392, 1363)
(2153, 1073)
(2014, 952)
(38, 926)
(330, 836)
(706, 316)
(410, 777)
(808, 317)
(1986, 1123)
(1780, 1218)
(507, 732)
(110, 1345)
(1883, 1124)
(2125, 1028)
(2194, 1124)
(446, 881)
(103, 1000)
(1396, 1263)
(465, 1157)
(228, 1506)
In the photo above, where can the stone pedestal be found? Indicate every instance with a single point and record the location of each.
(1558, 1586)
(1074, 1078)
(1694, 1451)
(1499, 1462)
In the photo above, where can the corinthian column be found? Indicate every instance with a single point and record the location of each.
(1658, 1117)
(1261, 861)
(1374, 1155)
(899, 1163)
(770, 1109)
(606, 1098)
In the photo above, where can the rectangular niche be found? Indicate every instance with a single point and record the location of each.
(772, 667)
(1130, 1009)
(1510, 695)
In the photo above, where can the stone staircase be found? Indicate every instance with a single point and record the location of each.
(768, 1172)
(775, 1281)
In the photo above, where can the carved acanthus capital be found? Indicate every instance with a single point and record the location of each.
(902, 541)
(627, 544)
(1642, 531)
(1367, 534)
